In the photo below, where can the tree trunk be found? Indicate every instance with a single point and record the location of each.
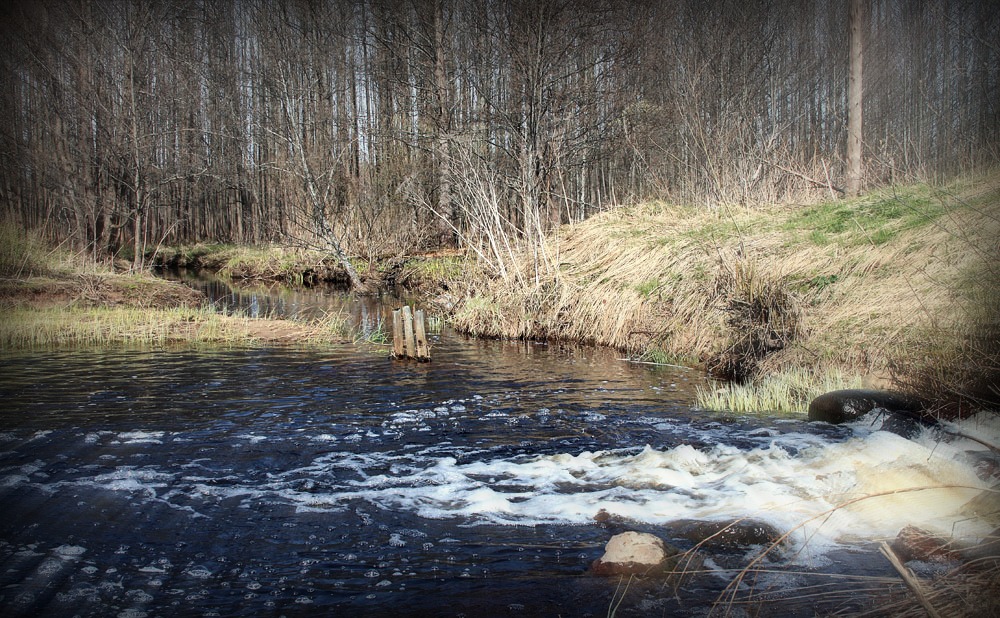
(443, 113)
(854, 100)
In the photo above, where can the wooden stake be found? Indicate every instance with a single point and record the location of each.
(409, 334)
(397, 335)
(420, 332)
(408, 338)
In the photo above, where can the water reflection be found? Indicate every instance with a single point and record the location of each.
(367, 314)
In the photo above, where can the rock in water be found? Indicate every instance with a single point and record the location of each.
(913, 543)
(846, 405)
(635, 553)
(736, 535)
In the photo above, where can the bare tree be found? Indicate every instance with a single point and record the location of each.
(369, 124)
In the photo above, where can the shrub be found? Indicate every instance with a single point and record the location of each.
(762, 316)
(22, 254)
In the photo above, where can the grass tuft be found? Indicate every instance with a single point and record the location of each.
(788, 392)
(102, 326)
(26, 255)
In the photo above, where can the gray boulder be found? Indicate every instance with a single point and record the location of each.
(847, 405)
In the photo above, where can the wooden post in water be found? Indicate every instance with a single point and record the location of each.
(398, 350)
(409, 334)
(420, 334)
(408, 338)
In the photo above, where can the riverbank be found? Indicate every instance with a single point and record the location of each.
(48, 298)
(425, 274)
(896, 288)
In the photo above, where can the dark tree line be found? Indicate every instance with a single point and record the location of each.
(376, 127)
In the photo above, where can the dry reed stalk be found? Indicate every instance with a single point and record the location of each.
(960, 593)
(729, 595)
(910, 579)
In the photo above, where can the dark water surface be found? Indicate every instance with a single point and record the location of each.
(335, 481)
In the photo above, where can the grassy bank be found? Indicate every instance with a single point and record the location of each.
(51, 298)
(897, 287)
(132, 326)
(296, 266)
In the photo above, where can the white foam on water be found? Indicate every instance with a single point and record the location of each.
(69, 551)
(130, 479)
(824, 494)
(141, 437)
(11, 481)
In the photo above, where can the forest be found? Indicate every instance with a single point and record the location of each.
(386, 127)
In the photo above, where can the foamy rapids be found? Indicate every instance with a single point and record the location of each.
(824, 493)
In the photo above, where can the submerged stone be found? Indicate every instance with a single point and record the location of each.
(847, 405)
(730, 535)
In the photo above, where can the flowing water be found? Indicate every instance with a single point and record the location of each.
(334, 481)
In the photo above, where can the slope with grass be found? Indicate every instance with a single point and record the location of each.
(881, 288)
(50, 298)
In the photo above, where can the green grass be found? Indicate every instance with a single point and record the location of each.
(271, 263)
(376, 335)
(656, 356)
(435, 268)
(876, 218)
(788, 392)
(266, 263)
(648, 287)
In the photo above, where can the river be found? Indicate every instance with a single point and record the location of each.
(302, 481)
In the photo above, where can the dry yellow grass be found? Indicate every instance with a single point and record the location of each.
(49, 327)
(868, 278)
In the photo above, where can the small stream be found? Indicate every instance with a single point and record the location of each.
(302, 481)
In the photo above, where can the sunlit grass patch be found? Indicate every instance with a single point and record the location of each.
(873, 219)
(291, 265)
(272, 263)
(131, 326)
(101, 326)
(484, 316)
(656, 356)
(787, 392)
(438, 267)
